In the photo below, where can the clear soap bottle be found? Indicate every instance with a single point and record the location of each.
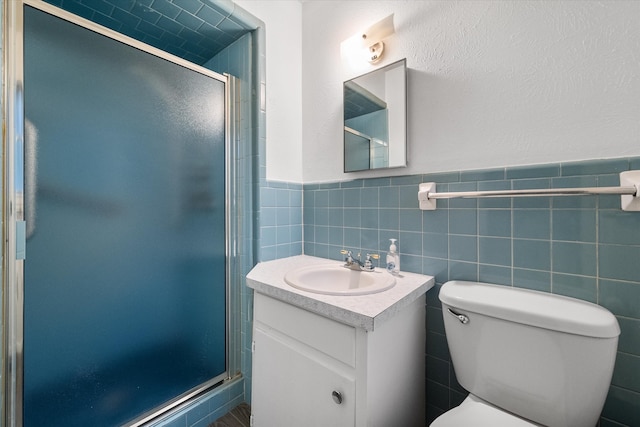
(393, 258)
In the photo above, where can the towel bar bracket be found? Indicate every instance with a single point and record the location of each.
(630, 202)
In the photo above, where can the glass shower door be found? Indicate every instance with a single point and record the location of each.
(125, 272)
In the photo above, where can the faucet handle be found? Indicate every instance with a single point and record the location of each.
(368, 265)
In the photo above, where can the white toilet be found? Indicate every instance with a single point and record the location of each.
(527, 358)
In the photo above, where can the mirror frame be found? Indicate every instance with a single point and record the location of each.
(399, 141)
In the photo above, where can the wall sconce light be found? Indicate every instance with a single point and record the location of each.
(372, 38)
(368, 43)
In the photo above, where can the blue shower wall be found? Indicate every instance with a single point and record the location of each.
(583, 247)
(237, 61)
(190, 29)
(205, 409)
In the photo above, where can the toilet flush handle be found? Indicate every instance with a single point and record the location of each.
(461, 317)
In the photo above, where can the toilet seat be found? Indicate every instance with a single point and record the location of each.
(474, 411)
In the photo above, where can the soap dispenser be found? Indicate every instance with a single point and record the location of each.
(393, 258)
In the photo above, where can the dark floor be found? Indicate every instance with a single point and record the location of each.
(238, 417)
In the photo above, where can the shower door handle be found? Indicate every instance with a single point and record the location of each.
(30, 174)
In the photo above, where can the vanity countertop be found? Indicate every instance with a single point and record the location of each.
(363, 311)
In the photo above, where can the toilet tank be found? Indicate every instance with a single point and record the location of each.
(544, 357)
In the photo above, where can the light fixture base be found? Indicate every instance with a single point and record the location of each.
(374, 52)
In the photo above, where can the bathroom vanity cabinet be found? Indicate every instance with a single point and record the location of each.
(319, 364)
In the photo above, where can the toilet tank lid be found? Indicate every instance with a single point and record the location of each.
(540, 309)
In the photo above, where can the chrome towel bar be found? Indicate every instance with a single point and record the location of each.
(629, 189)
(532, 193)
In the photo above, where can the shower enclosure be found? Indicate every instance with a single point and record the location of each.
(118, 257)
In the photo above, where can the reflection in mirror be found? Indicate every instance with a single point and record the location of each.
(375, 119)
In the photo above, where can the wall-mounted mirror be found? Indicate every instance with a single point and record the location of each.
(375, 106)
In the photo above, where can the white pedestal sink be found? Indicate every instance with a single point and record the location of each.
(334, 279)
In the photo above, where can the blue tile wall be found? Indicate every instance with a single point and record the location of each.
(194, 30)
(236, 60)
(583, 247)
(280, 220)
(205, 409)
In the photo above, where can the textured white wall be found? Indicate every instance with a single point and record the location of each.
(491, 83)
(284, 85)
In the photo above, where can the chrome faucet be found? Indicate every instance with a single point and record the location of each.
(355, 263)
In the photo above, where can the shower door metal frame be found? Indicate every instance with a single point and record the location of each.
(14, 221)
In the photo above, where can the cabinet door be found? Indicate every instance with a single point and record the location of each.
(293, 385)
